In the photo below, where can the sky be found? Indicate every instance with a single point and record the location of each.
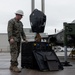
(57, 12)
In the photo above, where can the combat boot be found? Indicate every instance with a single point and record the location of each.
(11, 67)
(15, 69)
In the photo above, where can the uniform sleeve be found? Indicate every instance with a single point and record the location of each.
(10, 30)
(23, 34)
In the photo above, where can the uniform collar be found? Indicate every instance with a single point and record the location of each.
(16, 20)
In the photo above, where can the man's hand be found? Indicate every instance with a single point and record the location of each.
(25, 41)
(11, 41)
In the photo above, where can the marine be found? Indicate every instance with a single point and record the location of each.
(15, 33)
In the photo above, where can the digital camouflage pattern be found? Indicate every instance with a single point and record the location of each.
(15, 31)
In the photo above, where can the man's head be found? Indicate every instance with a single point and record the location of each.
(19, 14)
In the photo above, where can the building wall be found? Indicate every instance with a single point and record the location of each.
(4, 44)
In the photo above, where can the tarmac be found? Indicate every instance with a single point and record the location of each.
(5, 64)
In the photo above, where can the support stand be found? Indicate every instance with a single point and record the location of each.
(66, 63)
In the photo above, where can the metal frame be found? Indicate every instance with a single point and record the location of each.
(42, 5)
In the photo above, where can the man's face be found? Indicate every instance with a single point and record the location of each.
(18, 17)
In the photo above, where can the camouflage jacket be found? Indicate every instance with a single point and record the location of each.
(15, 30)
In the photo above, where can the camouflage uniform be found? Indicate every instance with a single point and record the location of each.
(15, 31)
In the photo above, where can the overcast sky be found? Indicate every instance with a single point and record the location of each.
(57, 11)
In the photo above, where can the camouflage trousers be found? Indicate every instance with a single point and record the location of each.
(14, 52)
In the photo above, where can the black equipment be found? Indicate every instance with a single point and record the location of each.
(37, 21)
(39, 56)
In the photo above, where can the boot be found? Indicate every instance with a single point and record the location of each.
(15, 69)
